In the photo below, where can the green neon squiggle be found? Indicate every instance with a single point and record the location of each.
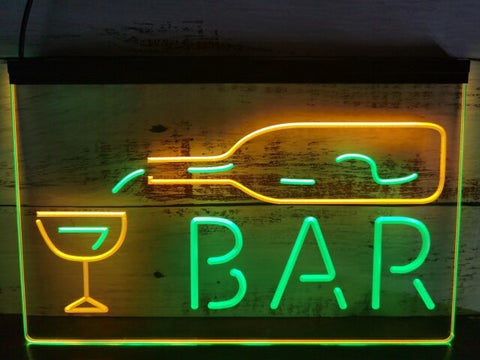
(209, 169)
(424, 294)
(87, 230)
(126, 179)
(292, 260)
(242, 290)
(398, 269)
(287, 181)
(373, 167)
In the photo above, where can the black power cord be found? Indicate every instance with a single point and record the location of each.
(23, 29)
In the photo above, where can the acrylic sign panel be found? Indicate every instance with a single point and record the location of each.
(239, 213)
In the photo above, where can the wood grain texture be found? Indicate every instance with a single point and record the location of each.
(7, 195)
(10, 297)
(158, 242)
(308, 28)
(104, 163)
(107, 131)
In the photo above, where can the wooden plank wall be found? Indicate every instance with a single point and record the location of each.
(261, 27)
(10, 296)
(468, 289)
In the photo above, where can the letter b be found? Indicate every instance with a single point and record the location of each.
(215, 260)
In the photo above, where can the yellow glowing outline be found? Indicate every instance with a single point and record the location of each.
(195, 341)
(97, 306)
(302, 125)
(55, 214)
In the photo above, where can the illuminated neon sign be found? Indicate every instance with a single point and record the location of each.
(276, 229)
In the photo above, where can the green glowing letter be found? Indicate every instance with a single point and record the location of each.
(215, 260)
(399, 269)
(292, 260)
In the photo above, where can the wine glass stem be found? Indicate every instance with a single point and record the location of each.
(86, 287)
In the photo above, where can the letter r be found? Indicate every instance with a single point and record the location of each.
(399, 269)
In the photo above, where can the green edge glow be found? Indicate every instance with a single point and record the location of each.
(248, 342)
(18, 209)
(459, 210)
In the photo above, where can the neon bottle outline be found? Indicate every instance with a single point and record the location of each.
(307, 201)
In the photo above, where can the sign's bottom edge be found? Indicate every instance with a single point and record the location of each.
(248, 342)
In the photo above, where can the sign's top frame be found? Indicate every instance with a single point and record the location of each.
(215, 69)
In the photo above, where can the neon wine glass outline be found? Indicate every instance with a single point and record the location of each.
(97, 306)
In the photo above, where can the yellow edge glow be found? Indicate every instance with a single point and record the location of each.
(310, 125)
(359, 342)
(13, 111)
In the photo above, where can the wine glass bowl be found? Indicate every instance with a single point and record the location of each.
(91, 239)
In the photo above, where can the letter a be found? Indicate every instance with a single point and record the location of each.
(309, 222)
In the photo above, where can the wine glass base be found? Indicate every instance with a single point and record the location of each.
(76, 306)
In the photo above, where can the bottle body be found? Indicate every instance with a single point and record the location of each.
(322, 163)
